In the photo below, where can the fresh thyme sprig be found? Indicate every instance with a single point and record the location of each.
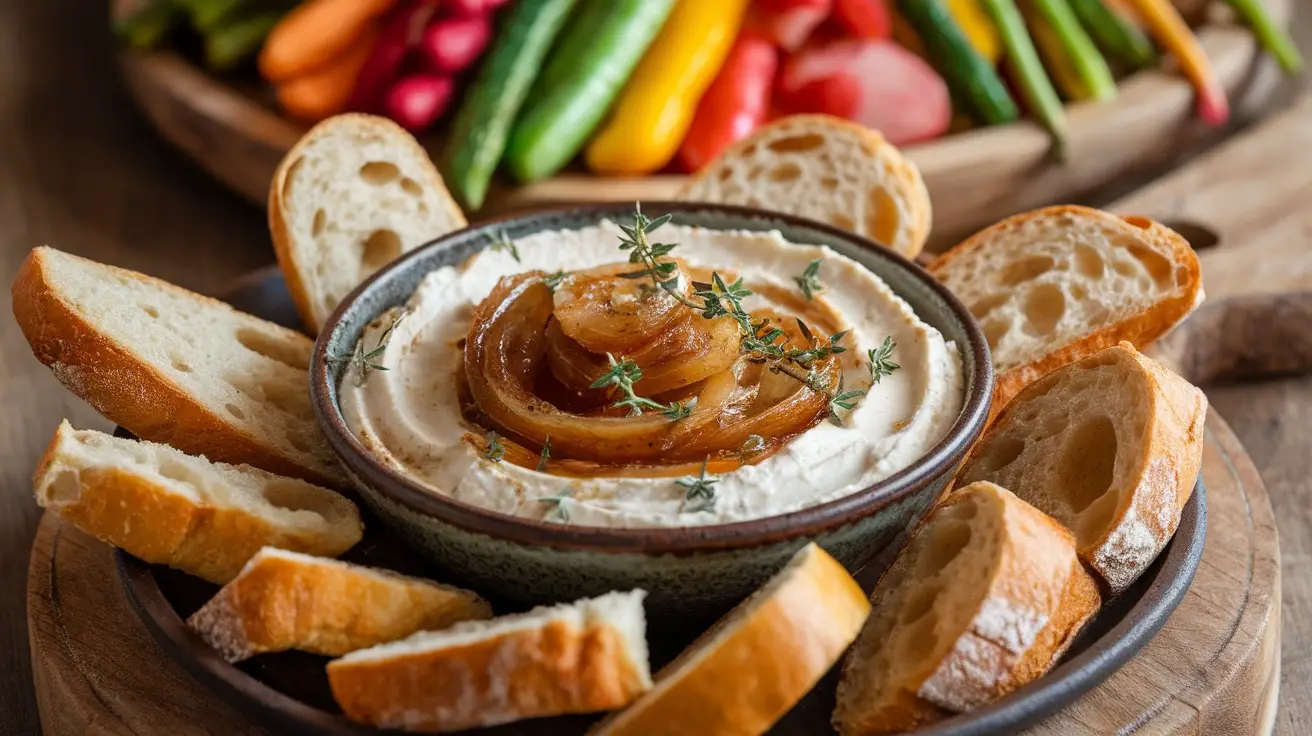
(648, 254)
(809, 281)
(496, 451)
(558, 502)
(545, 456)
(622, 375)
(880, 363)
(366, 361)
(700, 487)
(505, 244)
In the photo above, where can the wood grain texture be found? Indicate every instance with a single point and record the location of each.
(1212, 666)
(974, 178)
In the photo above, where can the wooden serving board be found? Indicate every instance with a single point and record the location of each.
(1214, 667)
(975, 178)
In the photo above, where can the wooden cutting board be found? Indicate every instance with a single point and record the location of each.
(1214, 668)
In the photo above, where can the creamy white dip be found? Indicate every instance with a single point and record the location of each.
(409, 415)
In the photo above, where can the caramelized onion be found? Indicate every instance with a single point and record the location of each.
(532, 356)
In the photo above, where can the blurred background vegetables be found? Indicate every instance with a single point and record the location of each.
(634, 87)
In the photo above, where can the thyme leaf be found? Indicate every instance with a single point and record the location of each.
(845, 402)
(809, 281)
(545, 456)
(553, 280)
(880, 363)
(506, 245)
(700, 487)
(557, 502)
(496, 451)
(370, 360)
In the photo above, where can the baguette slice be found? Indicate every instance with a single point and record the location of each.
(1054, 285)
(175, 367)
(1110, 447)
(827, 169)
(583, 657)
(286, 600)
(352, 195)
(746, 672)
(168, 508)
(986, 597)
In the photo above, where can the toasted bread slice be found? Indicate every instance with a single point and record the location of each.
(1110, 447)
(826, 169)
(986, 597)
(1054, 285)
(175, 367)
(756, 663)
(286, 600)
(353, 194)
(582, 657)
(169, 508)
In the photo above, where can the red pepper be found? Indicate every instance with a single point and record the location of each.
(788, 23)
(736, 103)
(869, 20)
(401, 31)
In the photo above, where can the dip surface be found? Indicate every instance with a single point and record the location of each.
(410, 417)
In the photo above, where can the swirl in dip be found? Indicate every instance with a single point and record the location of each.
(490, 360)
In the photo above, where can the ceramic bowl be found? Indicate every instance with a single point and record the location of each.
(691, 571)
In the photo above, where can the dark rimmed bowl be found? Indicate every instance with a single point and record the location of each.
(691, 571)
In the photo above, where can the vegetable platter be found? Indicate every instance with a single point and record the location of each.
(1003, 104)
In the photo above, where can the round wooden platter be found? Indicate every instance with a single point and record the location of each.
(236, 134)
(1213, 668)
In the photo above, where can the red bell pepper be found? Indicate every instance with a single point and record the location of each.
(736, 103)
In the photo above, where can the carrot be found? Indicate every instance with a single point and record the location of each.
(1172, 33)
(314, 34)
(326, 91)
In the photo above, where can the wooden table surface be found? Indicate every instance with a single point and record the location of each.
(79, 170)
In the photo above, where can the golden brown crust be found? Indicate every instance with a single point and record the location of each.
(283, 247)
(160, 526)
(1140, 329)
(282, 602)
(130, 392)
(785, 644)
(552, 669)
(1168, 462)
(910, 183)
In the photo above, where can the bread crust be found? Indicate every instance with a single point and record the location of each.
(1037, 600)
(911, 186)
(787, 642)
(1140, 329)
(157, 525)
(1167, 467)
(280, 602)
(552, 669)
(284, 248)
(133, 394)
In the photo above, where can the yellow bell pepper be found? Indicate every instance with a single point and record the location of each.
(656, 107)
(974, 22)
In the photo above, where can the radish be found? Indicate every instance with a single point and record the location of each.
(869, 20)
(789, 22)
(401, 31)
(418, 100)
(466, 8)
(450, 45)
(879, 84)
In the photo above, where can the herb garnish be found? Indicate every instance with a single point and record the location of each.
(701, 487)
(545, 456)
(622, 375)
(505, 244)
(809, 281)
(760, 342)
(367, 361)
(879, 363)
(553, 280)
(496, 451)
(558, 502)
